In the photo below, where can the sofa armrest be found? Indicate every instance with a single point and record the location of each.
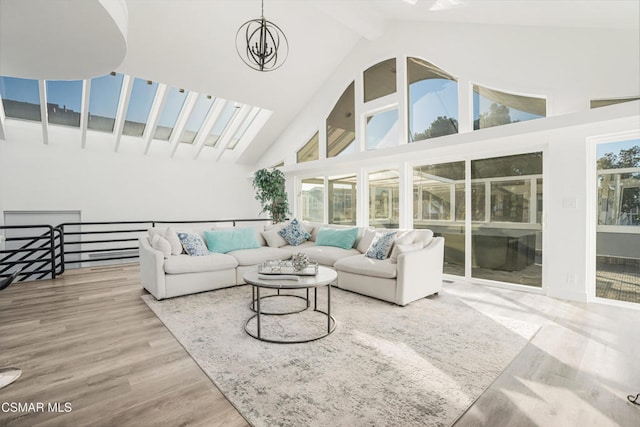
(152, 269)
(420, 272)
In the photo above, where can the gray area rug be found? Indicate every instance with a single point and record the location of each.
(421, 365)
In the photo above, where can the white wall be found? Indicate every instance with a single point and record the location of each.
(108, 186)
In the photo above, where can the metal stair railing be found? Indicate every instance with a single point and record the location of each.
(36, 257)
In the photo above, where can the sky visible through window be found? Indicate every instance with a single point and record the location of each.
(615, 147)
(65, 93)
(142, 95)
(105, 94)
(430, 99)
(382, 130)
(483, 105)
(15, 89)
(199, 113)
(170, 112)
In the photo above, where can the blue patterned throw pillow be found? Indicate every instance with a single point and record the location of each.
(193, 244)
(381, 245)
(294, 233)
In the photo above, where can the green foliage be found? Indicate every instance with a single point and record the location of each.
(440, 127)
(629, 158)
(270, 192)
(497, 115)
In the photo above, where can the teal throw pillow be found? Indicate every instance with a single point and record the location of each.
(381, 245)
(193, 244)
(294, 233)
(341, 238)
(232, 239)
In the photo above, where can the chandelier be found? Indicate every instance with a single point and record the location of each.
(261, 44)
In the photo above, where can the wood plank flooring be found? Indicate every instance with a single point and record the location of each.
(88, 339)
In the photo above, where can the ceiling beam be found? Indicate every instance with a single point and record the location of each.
(123, 102)
(181, 123)
(84, 112)
(44, 111)
(206, 128)
(225, 138)
(154, 116)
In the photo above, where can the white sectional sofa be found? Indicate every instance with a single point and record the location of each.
(407, 276)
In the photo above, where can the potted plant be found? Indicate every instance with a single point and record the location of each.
(270, 192)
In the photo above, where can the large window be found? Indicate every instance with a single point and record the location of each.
(309, 151)
(507, 230)
(495, 108)
(20, 98)
(384, 199)
(439, 205)
(382, 130)
(312, 199)
(341, 125)
(618, 228)
(63, 102)
(380, 80)
(433, 101)
(342, 199)
(142, 96)
(103, 102)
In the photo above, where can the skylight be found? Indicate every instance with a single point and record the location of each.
(140, 103)
(170, 112)
(230, 110)
(64, 99)
(198, 115)
(20, 98)
(103, 102)
(134, 109)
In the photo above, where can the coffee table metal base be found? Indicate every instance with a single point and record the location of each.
(331, 321)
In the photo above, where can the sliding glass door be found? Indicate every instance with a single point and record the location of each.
(618, 221)
(506, 234)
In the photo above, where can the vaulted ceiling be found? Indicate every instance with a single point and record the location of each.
(191, 43)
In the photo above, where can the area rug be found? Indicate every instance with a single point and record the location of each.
(419, 365)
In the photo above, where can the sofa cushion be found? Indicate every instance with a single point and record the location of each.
(231, 239)
(193, 244)
(259, 255)
(179, 264)
(401, 249)
(327, 255)
(171, 236)
(273, 238)
(366, 266)
(161, 244)
(365, 237)
(335, 237)
(425, 236)
(381, 245)
(294, 233)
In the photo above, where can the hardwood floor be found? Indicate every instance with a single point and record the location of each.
(87, 339)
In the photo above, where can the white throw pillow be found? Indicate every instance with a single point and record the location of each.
(172, 237)
(401, 249)
(404, 237)
(366, 238)
(273, 238)
(161, 244)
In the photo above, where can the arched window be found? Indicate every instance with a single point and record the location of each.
(341, 125)
(380, 80)
(494, 108)
(433, 101)
(309, 151)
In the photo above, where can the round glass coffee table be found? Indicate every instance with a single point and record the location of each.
(324, 277)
